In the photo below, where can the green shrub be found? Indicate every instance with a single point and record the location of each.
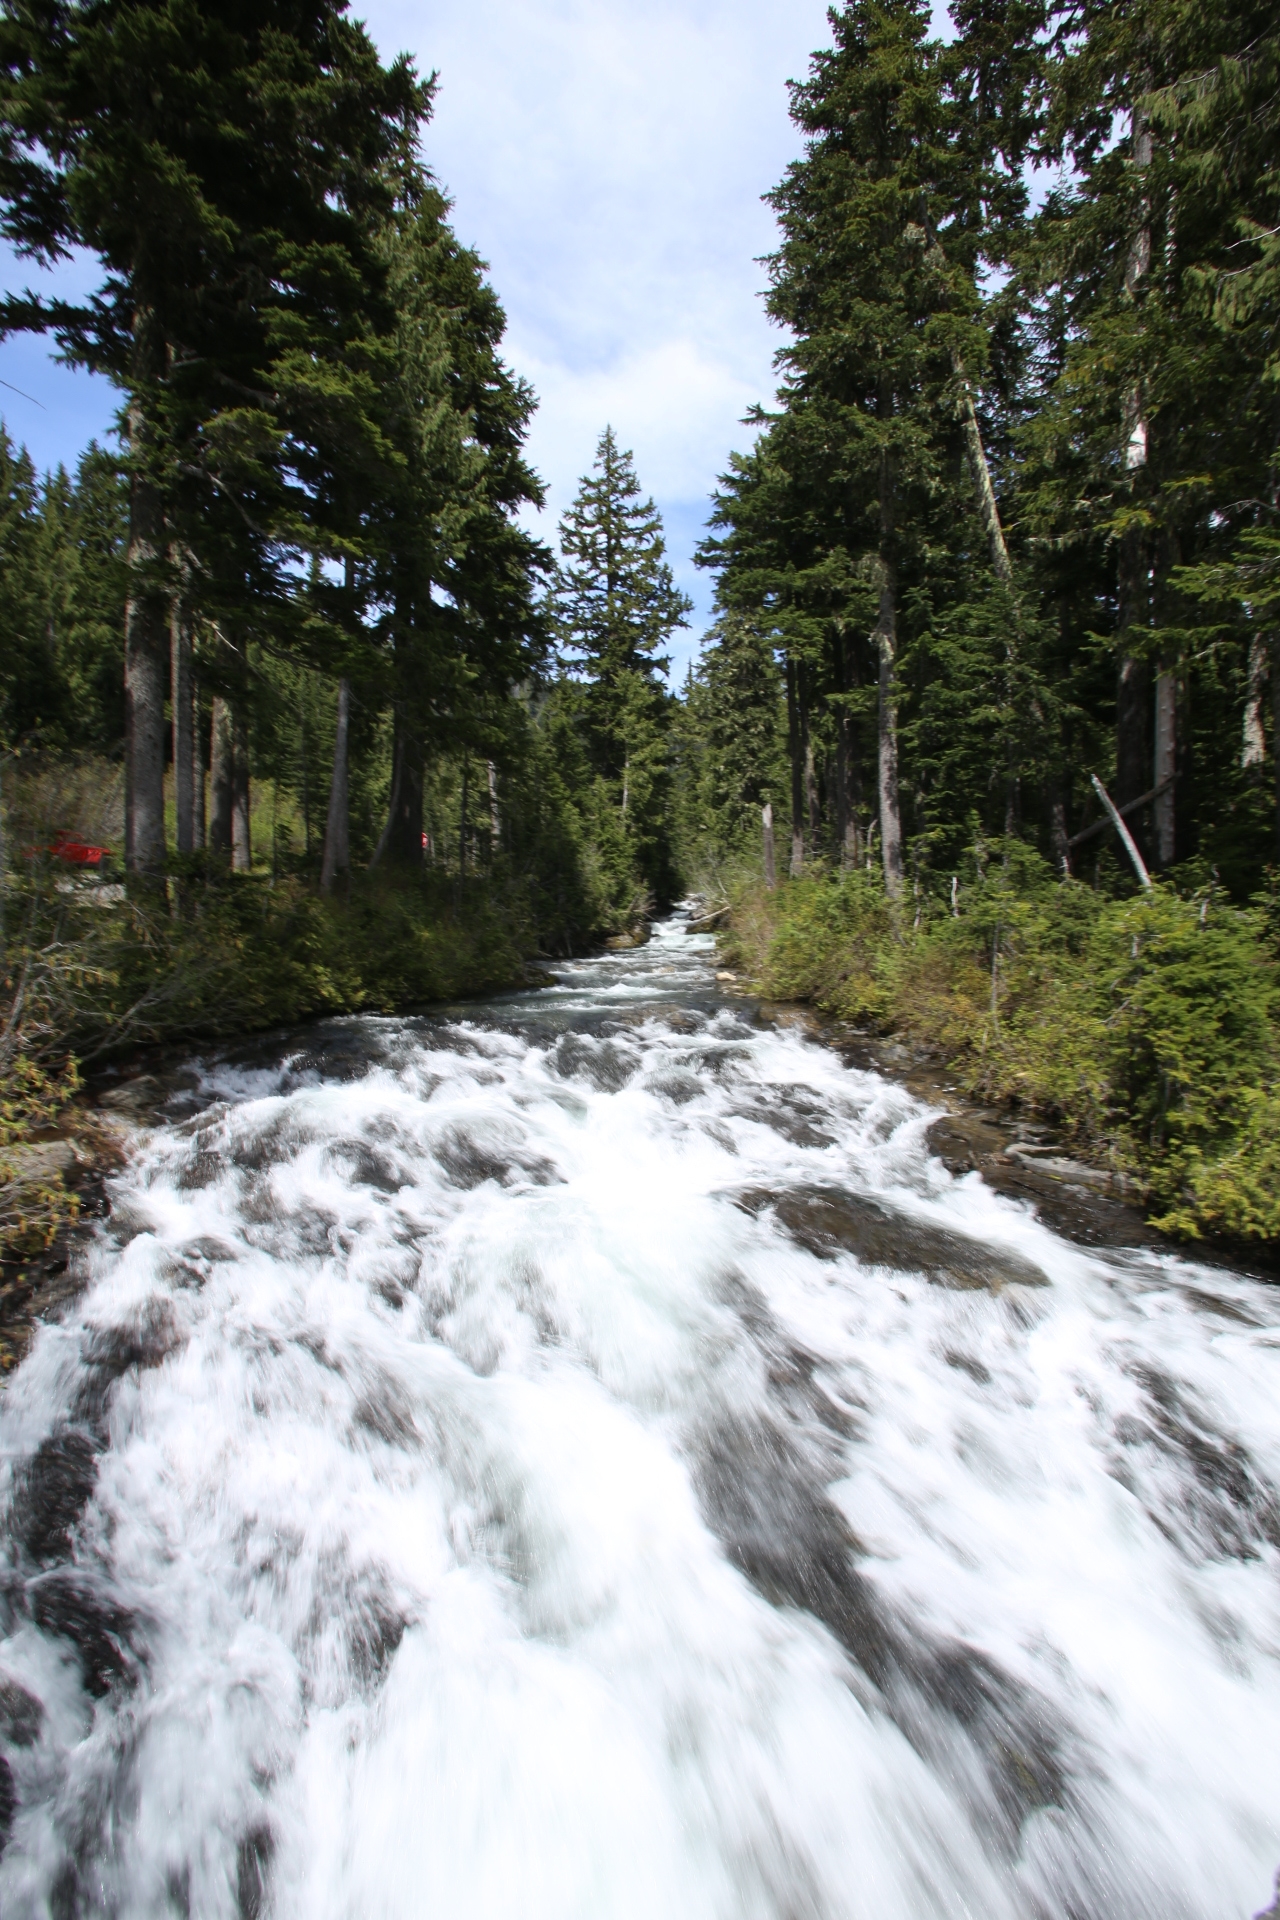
(1146, 1028)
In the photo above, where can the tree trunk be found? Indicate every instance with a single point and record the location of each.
(1166, 756)
(1133, 702)
(848, 765)
(495, 817)
(886, 638)
(1275, 728)
(796, 755)
(337, 844)
(812, 810)
(980, 474)
(401, 841)
(1253, 747)
(462, 826)
(221, 767)
(197, 770)
(241, 845)
(1133, 696)
(184, 738)
(1058, 837)
(145, 660)
(770, 857)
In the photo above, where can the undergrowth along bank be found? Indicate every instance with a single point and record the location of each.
(1147, 1029)
(220, 955)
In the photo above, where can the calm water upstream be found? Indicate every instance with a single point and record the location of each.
(582, 1459)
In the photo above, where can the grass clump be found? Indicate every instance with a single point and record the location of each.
(1147, 1029)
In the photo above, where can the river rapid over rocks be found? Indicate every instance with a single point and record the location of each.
(580, 1457)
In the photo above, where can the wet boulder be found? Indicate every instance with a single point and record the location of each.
(829, 1221)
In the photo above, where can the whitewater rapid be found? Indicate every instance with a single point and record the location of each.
(582, 1458)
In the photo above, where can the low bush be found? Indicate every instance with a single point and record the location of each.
(1145, 1028)
(88, 975)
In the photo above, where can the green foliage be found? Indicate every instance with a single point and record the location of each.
(613, 607)
(62, 575)
(1148, 1029)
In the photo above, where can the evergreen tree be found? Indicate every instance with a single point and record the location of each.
(224, 164)
(614, 607)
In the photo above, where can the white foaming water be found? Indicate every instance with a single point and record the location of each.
(583, 1458)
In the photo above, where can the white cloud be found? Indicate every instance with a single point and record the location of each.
(608, 160)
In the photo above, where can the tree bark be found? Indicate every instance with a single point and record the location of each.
(337, 842)
(886, 638)
(222, 762)
(462, 825)
(495, 817)
(770, 856)
(1275, 728)
(796, 754)
(1117, 822)
(145, 658)
(812, 810)
(980, 474)
(241, 844)
(1133, 703)
(848, 764)
(184, 738)
(198, 829)
(1133, 694)
(1166, 755)
(401, 840)
(1253, 746)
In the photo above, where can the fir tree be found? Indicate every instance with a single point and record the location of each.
(614, 609)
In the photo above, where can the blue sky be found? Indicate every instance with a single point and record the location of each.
(607, 160)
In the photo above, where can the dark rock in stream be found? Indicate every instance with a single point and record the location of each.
(993, 1738)
(828, 1221)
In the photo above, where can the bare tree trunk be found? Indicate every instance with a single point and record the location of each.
(183, 726)
(796, 755)
(222, 777)
(980, 474)
(1166, 756)
(401, 839)
(495, 817)
(1058, 837)
(1133, 702)
(145, 658)
(197, 770)
(241, 844)
(848, 766)
(886, 638)
(1133, 695)
(1117, 821)
(770, 857)
(462, 825)
(1253, 747)
(812, 811)
(1275, 728)
(337, 844)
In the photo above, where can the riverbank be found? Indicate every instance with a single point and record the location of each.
(88, 982)
(1133, 1042)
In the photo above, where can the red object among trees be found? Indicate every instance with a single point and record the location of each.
(75, 852)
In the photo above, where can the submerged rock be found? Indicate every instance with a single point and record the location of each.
(828, 1221)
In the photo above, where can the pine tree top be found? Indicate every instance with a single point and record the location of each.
(616, 603)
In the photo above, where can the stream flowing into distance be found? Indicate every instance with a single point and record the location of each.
(579, 1457)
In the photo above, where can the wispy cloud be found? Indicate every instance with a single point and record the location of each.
(608, 160)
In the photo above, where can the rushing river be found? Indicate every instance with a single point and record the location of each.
(583, 1459)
